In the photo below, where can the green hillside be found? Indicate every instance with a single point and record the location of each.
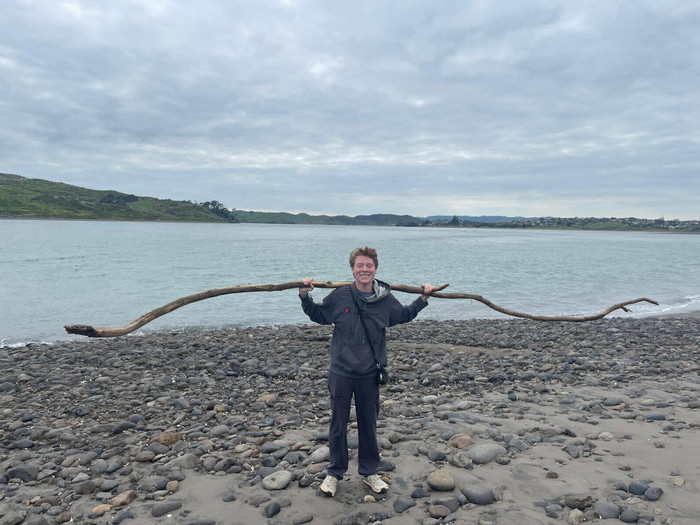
(23, 197)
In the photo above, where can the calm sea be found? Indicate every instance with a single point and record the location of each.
(54, 273)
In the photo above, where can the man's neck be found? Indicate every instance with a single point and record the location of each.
(365, 287)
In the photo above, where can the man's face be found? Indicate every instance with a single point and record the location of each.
(364, 270)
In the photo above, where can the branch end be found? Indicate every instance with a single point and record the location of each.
(80, 329)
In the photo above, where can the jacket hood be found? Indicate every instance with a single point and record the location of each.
(381, 290)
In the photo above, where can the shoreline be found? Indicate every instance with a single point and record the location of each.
(694, 314)
(441, 226)
(192, 424)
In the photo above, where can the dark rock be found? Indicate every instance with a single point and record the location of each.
(653, 493)
(629, 515)
(24, 472)
(579, 501)
(478, 494)
(403, 503)
(419, 493)
(606, 509)
(164, 507)
(272, 509)
(638, 488)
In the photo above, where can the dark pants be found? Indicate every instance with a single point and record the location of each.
(366, 392)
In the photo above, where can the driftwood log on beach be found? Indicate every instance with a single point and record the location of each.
(91, 331)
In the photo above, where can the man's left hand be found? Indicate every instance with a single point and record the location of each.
(427, 290)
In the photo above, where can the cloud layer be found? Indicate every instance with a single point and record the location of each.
(523, 108)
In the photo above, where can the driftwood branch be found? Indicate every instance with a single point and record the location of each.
(117, 331)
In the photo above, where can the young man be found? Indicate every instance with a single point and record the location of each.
(355, 360)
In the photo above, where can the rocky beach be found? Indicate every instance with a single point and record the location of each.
(498, 422)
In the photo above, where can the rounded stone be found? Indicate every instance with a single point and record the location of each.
(272, 509)
(163, 507)
(277, 480)
(629, 515)
(219, 430)
(144, 456)
(606, 509)
(124, 498)
(638, 488)
(438, 511)
(478, 494)
(653, 493)
(485, 453)
(442, 480)
(320, 454)
(403, 503)
(460, 441)
(579, 501)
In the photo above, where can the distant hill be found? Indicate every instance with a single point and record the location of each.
(472, 218)
(23, 197)
(382, 219)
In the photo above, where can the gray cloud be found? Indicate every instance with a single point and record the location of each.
(527, 108)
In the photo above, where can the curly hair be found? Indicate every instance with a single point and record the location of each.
(367, 252)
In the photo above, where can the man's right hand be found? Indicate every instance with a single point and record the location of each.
(307, 288)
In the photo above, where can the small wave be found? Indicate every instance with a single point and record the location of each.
(4, 343)
(685, 304)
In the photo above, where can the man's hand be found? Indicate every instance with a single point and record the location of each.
(427, 290)
(308, 286)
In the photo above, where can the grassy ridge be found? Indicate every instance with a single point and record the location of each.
(305, 218)
(23, 197)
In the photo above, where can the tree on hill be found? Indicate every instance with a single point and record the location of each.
(219, 209)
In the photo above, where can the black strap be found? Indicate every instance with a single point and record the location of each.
(364, 326)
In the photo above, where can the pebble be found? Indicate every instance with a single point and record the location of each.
(606, 509)
(485, 453)
(478, 494)
(442, 480)
(403, 503)
(320, 454)
(272, 509)
(277, 480)
(164, 507)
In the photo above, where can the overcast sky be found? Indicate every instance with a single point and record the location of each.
(354, 107)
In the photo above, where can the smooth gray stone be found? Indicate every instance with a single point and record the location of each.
(579, 501)
(188, 461)
(638, 488)
(277, 480)
(13, 518)
(419, 493)
(478, 494)
(163, 507)
(553, 510)
(606, 510)
(272, 509)
(653, 493)
(35, 520)
(629, 515)
(219, 430)
(656, 416)
(403, 503)
(485, 453)
(25, 472)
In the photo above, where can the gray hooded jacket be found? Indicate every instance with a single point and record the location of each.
(351, 354)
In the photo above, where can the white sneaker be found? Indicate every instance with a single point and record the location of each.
(329, 485)
(376, 483)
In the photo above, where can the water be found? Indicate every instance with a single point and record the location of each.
(54, 273)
